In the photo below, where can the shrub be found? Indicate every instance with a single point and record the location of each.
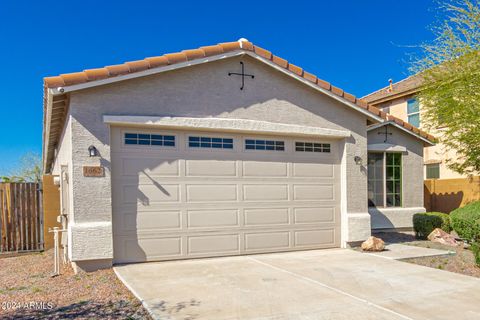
(476, 252)
(425, 223)
(466, 221)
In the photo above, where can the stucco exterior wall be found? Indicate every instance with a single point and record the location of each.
(412, 180)
(202, 91)
(432, 154)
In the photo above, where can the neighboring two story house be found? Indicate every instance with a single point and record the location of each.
(398, 99)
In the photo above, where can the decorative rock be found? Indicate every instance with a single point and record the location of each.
(440, 236)
(373, 244)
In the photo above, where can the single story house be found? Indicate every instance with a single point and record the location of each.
(222, 150)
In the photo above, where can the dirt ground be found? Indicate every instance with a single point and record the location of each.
(461, 262)
(27, 291)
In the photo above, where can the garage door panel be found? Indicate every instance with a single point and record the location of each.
(320, 170)
(207, 168)
(264, 169)
(149, 167)
(267, 240)
(146, 195)
(213, 218)
(314, 237)
(266, 216)
(222, 243)
(147, 249)
(149, 220)
(211, 192)
(263, 192)
(313, 192)
(314, 214)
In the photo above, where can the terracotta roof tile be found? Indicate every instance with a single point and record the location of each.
(247, 45)
(295, 69)
(157, 61)
(207, 51)
(279, 61)
(405, 86)
(175, 57)
(136, 66)
(310, 77)
(324, 84)
(212, 50)
(52, 82)
(74, 78)
(96, 74)
(118, 69)
(230, 46)
(262, 52)
(337, 91)
(194, 54)
(362, 103)
(349, 97)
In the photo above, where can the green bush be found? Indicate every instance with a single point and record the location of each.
(466, 221)
(425, 223)
(476, 252)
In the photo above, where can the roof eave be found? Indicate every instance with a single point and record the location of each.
(396, 125)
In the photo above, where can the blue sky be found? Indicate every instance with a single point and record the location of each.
(356, 45)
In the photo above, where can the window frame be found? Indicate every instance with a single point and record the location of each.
(322, 147)
(150, 146)
(415, 100)
(437, 167)
(285, 143)
(211, 136)
(384, 180)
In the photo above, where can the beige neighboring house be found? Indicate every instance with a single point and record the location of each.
(398, 99)
(222, 150)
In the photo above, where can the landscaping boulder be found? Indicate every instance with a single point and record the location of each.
(373, 244)
(440, 236)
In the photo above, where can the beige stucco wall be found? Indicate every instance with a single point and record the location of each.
(412, 180)
(436, 153)
(202, 91)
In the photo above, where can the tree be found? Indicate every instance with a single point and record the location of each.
(450, 93)
(29, 169)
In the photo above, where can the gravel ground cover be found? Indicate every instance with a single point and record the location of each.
(27, 291)
(461, 262)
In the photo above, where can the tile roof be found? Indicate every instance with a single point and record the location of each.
(207, 51)
(405, 86)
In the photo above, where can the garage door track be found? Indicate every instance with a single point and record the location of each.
(320, 284)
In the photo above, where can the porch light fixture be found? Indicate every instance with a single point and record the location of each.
(92, 151)
(358, 160)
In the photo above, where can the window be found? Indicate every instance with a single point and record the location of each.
(413, 112)
(433, 171)
(149, 139)
(251, 144)
(384, 179)
(312, 147)
(209, 142)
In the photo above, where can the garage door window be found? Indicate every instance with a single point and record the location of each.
(312, 147)
(210, 142)
(251, 144)
(146, 139)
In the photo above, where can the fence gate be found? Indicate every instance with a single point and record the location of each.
(21, 217)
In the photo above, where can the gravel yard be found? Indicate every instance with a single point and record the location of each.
(460, 262)
(25, 279)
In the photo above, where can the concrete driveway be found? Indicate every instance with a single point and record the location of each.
(321, 284)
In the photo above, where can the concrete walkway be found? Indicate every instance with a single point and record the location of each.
(399, 251)
(320, 284)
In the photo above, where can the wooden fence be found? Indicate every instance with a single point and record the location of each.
(21, 217)
(445, 195)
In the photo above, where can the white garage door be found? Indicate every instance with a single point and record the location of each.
(182, 194)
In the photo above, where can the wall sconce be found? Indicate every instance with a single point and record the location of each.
(92, 151)
(358, 160)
